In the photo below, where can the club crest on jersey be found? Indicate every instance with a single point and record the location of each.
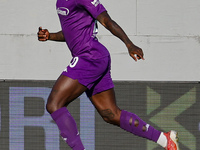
(95, 2)
(62, 11)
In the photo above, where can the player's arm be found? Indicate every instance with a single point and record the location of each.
(44, 35)
(134, 51)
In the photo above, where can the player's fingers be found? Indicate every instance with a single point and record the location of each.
(134, 57)
(140, 57)
(41, 34)
(42, 39)
(42, 31)
(40, 28)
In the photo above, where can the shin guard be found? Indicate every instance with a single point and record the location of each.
(68, 128)
(127, 122)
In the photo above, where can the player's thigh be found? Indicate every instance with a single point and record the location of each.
(64, 91)
(105, 103)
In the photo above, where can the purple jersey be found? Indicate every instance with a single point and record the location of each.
(78, 22)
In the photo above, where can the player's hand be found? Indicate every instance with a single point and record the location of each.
(43, 34)
(135, 52)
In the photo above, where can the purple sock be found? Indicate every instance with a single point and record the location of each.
(150, 133)
(68, 128)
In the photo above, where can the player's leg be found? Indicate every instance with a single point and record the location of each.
(105, 104)
(63, 92)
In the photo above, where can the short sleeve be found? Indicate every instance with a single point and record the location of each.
(93, 6)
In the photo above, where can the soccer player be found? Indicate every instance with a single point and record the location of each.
(89, 71)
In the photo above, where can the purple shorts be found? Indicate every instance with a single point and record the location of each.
(92, 73)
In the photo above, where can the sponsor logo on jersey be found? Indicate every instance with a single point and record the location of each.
(95, 2)
(63, 11)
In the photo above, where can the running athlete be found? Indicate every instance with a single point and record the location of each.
(89, 71)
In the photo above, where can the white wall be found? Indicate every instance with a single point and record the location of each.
(168, 32)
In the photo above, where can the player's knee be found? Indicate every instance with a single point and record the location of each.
(111, 120)
(110, 117)
(51, 106)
